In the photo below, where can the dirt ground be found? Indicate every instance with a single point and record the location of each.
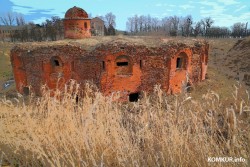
(229, 61)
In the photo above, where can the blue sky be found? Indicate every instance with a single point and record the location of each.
(223, 12)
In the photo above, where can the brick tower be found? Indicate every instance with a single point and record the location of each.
(76, 24)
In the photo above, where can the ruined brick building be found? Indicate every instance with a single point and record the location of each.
(97, 27)
(126, 64)
(76, 24)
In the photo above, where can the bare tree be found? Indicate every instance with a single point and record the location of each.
(186, 25)
(207, 23)
(148, 22)
(130, 24)
(140, 22)
(197, 29)
(174, 25)
(246, 29)
(20, 21)
(218, 32)
(110, 23)
(8, 19)
(110, 19)
(166, 24)
(238, 29)
(155, 23)
(136, 23)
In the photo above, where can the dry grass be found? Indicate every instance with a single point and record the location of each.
(159, 130)
(5, 66)
(230, 57)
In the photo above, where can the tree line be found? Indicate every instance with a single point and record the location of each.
(109, 23)
(183, 26)
(51, 29)
(20, 30)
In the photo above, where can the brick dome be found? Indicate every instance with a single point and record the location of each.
(76, 12)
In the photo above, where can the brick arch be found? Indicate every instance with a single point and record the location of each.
(182, 61)
(180, 72)
(124, 65)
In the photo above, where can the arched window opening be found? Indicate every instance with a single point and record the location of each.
(56, 64)
(181, 61)
(123, 65)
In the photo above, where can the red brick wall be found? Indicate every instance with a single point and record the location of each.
(18, 71)
(144, 67)
(75, 28)
(178, 76)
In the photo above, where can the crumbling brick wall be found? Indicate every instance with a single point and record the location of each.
(114, 66)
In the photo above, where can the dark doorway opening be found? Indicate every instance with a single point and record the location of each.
(26, 91)
(122, 63)
(134, 97)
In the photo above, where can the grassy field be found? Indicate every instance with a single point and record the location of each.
(5, 66)
(159, 130)
(179, 130)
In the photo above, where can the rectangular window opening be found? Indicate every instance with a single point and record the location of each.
(26, 91)
(140, 63)
(122, 63)
(103, 65)
(179, 62)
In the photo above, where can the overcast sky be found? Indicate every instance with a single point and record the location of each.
(223, 12)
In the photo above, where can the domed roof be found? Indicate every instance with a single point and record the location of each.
(76, 12)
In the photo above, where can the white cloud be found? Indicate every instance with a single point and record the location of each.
(40, 20)
(228, 2)
(212, 9)
(185, 7)
(164, 5)
(212, 4)
(240, 8)
(219, 12)
(159, 4)
(169, 10)
(227, 20)
(171, 5)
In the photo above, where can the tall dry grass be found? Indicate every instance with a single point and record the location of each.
(158, 130)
